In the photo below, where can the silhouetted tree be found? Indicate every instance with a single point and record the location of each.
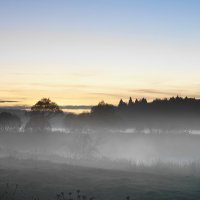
(46, 105)
(103, 114)
(9, 122)
(122, 104)
(130, 102)
(40, 114)
(143, 101)
(103, 109)
(77, 122)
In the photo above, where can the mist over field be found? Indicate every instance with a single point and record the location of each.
(135, 150)
(132, 148)
(138, 150)
(104, 165)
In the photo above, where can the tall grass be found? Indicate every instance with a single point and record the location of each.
(16, 192)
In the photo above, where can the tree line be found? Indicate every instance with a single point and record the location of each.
(175, 113)
(167, 114)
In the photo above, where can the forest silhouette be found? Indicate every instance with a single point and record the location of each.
(175, 113)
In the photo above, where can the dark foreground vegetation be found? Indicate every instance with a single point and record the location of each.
(44, 180)
(15, 192)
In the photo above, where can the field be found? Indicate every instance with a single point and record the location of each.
(44, 180)
(103, 166)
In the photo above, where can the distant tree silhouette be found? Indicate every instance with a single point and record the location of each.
(143, 101)
(175, 113)
(130, 102)
(77, 122)
(166, 114)
(9, 122)
(40, 114)
(103, 109)
(122, 104)
(103, 114)
(46, 105)
(136, 101)
(38, 123)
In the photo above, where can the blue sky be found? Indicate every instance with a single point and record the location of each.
(83, 51)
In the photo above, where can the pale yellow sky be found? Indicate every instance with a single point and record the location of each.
(80, 54)
(89, 89)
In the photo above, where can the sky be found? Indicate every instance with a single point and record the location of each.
(79, 52)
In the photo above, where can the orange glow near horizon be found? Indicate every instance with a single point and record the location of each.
(82, 58)
(92, 86)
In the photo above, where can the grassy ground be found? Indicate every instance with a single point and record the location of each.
(45, 180)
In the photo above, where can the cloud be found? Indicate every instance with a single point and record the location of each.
(109, 94)
(8, 101)
(14, 108)
(66, 86)
(152, 91)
